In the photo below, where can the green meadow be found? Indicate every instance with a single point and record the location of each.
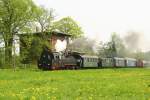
(91, 84)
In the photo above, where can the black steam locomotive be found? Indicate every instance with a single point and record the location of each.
(59, 60)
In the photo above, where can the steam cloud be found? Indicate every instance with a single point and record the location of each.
(133, 40)
(60, 45)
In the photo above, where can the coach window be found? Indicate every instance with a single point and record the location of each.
(84, 59)
(87, 59)
(111, 60)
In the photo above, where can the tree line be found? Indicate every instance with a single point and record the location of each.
(19, 17)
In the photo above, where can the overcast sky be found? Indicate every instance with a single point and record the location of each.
(99, 18)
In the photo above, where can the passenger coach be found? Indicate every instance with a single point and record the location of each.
(90, 61)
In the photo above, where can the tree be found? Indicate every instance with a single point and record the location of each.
(31, 47)
(113, 48)
(69, 26)
(44, 18)
(37, 44)
(121, 50)
(106, 49)
(14, 16)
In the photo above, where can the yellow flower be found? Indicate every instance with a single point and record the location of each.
(90, 98)
(33, 98)
(53, 98)
(13, 95)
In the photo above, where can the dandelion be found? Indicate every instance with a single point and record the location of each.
(1, 94)
(33, 98)
(90, 98)
(13, 95)
(53, 98)
(37, 89)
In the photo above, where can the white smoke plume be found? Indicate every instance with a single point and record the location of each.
(133, 40)
(60, 45)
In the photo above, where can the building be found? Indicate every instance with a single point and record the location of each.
(57, 40)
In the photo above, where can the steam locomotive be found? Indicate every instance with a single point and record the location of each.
(59, 60)
(73, 60)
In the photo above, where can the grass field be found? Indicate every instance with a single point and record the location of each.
(94, 84)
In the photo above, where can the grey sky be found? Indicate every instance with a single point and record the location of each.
(99, 18)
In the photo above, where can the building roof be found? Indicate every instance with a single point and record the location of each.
(60, 34)
(47, 33)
